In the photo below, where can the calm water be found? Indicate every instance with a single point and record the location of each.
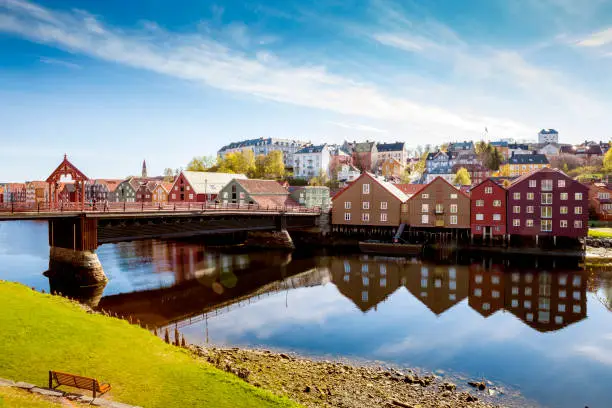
(545, 330)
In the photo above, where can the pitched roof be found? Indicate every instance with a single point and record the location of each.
(548, 132)
(38, 184)
(204, 182)
(390, 147)
(544, 170)
(263, 187)
(446, 155)
(461, 146)
(391, 188)
(275, 201)
(410, 189)
(499, 144)
(364, 147)
(425, 186)
(528, 159)
(64, 165)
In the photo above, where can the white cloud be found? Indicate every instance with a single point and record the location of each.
(598, 39)
(402, 41)
(358, 127)
(55, 61)
(201, 59)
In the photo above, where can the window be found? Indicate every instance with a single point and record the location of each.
(173, 196)
(563, 196)
(527, 304)
(191, 196)
(496, 203)
(563, 223)
(563, 280)
(563, 210)
(495, 294)
(576, 281)
(533, 183)
(546, 226)
(479, 217)
(576, 309)
(578, 196)
(453, 208)
(529, 317)
(577, 210)
(365, 189)
(578, 224)
(424, 219)
(488, 190)
(559, 319)
(546, 212)
(530, 196)
(453, 220)
(383, 217)
(453, 196)
(365, 205)
(515, 290)
(516, 209)
(561, 183)
(529, 223)
(547, 185)
(364, 296)
(514, 303)
(516, 196)
(365, 268)
(187, 188)
(543, 317)
(546, 198)
(516, 222)
(425, 196)
(478, 292)
(528, 291)
(347, 216)
(561, 308)
(347, 205)
(424, 208)
(530, 209)
(365, 281)
(365, 217)
(479, 203)
(562, 293)
(496, 217)
(439, 208)
(383, 205)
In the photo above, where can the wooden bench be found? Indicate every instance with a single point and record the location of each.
(76, 381)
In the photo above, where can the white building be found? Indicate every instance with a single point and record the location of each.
(311, 161)
(348, 173)
(548, 136)
(395, 151)
(265, 146)
(549, 150)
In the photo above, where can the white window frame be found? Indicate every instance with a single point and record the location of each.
(516, 222)
(347, 205)
(516, 196)
(383, 217)
(577, 223)
(546, 225)
(563, 223)
(383, 205)
(424, 208)
(516, 209)
(365, 205)
(347, 216)
(578, 210)
(365, 188)
(453, 220)
(453, 208)
(479, 217)
(529, 223)
(488, 190)
(365, 217)
(425, 219)
(479, 203)
(578, 196)
(496, 217)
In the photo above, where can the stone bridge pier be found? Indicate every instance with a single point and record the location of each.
(72, 257)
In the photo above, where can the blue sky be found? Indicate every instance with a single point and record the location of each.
(114, 82)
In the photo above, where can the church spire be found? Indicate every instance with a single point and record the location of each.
(144, 168)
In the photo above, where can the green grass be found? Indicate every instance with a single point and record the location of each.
(12, 397)
(600, 232)
(43, 332)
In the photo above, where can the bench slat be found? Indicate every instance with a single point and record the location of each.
(77, 381)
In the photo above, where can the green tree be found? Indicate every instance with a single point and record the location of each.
(196, 164)
(274, 166)
(480, 147)
(242, 162)
(493, 158)
(320, 180)
(405, 177)
(462, 177)
(607, 161)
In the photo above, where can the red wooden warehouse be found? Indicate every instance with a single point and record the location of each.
(488, 209)
(547, 202)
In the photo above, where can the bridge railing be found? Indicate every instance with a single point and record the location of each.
(148, 207)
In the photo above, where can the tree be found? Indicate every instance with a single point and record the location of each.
(566, 162)
(242, 162)
(607, 161)
(320, 180)
(274, 166)
(493, 158)
(504, 171)
(405, 176)
(196, 164)
(462, 177)
(168, 175)
(480, 147)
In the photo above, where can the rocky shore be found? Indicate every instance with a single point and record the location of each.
(338, 384)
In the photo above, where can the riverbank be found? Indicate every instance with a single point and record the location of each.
(315, 383)
(41, 332)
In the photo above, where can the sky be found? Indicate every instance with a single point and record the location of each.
(111, 83)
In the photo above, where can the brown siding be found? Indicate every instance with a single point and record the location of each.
(354, 194)
(439, 192)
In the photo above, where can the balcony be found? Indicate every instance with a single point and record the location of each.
(439, 211)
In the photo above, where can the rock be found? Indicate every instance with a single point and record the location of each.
(24, 385)
(400, 404)
(471, 398)
(47, 393)
(446, 394)
(449, 386)
(6, 383)
(307, 388)
(284, 356)
(479, 385)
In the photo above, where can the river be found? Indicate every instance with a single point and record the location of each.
(542, 329)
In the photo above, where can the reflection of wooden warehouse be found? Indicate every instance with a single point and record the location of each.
(486, 293)
(364, 281)
(546, 301)
(438, 287)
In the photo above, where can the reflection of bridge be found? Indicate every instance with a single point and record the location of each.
(224, 286)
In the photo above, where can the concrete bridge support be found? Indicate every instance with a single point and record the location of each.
(72, 256)
(277, 239)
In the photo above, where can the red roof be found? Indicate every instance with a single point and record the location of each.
(410, 189)
(254, 186)
(66, 167)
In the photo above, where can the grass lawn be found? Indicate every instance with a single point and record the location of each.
(42, 332)
(12, 397)
(600, 232)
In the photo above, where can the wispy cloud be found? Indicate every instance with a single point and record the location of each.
(55, 61)
(358, 127)
(201, 59)
(598, 39)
